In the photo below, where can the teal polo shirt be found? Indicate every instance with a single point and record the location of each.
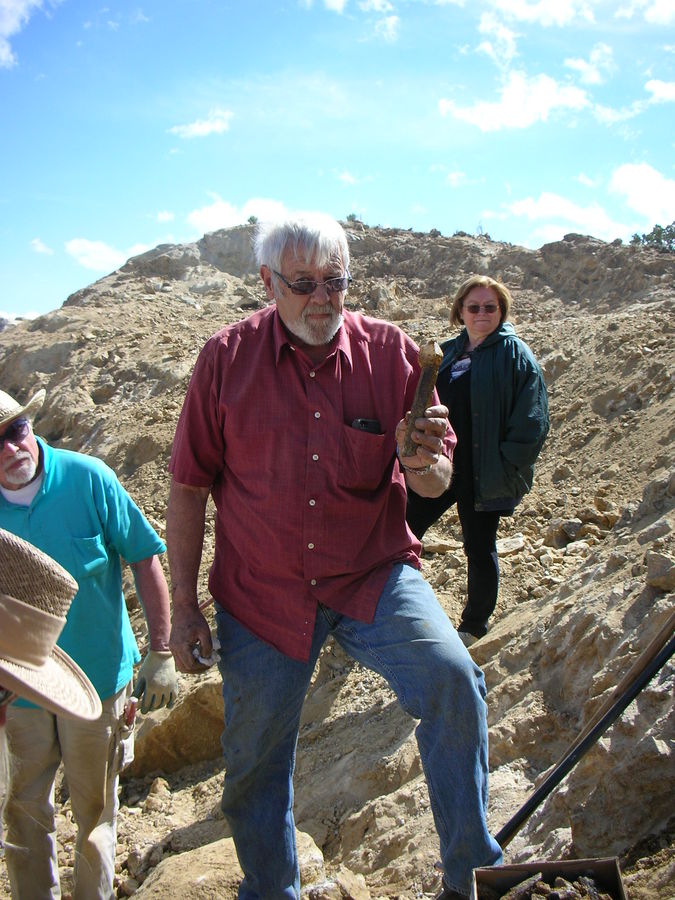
(86, 521)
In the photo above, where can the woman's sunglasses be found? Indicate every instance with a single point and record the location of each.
(475, 308)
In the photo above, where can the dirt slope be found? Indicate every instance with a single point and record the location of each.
(588, 563)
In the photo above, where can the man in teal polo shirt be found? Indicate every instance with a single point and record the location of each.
(73, 507)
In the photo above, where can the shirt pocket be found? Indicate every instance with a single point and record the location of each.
(90, 557)
(364, 459)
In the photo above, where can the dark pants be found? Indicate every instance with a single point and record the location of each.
(479, 534)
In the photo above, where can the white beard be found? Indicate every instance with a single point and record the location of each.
(315, 334)
(23, 474)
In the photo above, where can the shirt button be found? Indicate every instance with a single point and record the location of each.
(312, 374)
(315, 456)
(317, 415)
(313, 581)
(312, 502)
(310, 546)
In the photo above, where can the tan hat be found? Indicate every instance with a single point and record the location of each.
(35, 595)
(10, 409)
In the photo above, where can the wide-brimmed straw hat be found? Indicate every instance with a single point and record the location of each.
(35, 595)
(10, 409)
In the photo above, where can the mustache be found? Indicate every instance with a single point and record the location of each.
(317, 310)
(21, 456)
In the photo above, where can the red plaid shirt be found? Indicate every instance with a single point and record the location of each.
(308, 509)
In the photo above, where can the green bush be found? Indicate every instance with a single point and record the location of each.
(659, 237)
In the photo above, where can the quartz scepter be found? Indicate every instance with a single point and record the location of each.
(430, 357)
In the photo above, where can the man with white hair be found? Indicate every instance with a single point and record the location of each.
(73, 507)
(294, 422)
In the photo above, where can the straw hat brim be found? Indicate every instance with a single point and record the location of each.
(59, 685)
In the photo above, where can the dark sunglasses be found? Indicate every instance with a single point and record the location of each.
(6, 696)
(307, 286)
(15, 432)
(475, 308)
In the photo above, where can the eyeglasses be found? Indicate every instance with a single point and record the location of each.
(15, 432)
(6, 696)
(307, 286)
(475, 308)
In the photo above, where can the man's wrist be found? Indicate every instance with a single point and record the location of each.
(411, 470)
(184, 599)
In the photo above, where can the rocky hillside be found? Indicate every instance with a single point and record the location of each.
(588, 564)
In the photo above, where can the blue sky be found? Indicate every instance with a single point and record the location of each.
(140, 123)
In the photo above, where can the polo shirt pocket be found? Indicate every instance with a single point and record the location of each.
(90, 557)
(364, 459)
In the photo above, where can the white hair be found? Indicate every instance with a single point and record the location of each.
(320, 237)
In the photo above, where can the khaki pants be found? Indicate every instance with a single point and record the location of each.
(91, 754)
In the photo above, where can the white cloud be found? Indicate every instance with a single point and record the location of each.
(217, 121)
(646, 191)
(221, 214)
(558, 214)
(546, 12)
(454, 179)
(523, 102)
(347, 178)
(165, 216)
(595, 69)
(13, 317)
(661, 91)
(379, 6)
(39, 247)
(335, 5)
(99, 256)
(608, 116)
(660, 12)
(502, 47)
(656, 12)
(14, 14)
(387, 28)
(585, 180)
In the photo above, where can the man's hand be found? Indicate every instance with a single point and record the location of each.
(428, 471)
(189, 629)
(156, 683)
(428, 435)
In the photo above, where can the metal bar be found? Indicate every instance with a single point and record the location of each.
(567, 763)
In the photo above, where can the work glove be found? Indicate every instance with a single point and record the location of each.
(156, 683)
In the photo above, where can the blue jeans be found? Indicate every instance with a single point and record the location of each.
(414, 647)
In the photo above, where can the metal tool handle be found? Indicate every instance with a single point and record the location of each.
(567, 763)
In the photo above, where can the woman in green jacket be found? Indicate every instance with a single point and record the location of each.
(495, 391)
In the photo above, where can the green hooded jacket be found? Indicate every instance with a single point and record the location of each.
(509, 412)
